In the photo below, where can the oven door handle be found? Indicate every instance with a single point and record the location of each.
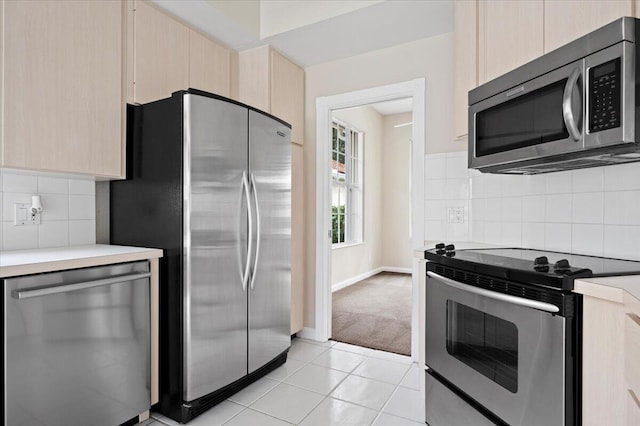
(548, 307)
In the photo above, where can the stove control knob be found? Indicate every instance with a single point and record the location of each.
(440, 246)
(542, 260)
(450, 247)
(562, 265)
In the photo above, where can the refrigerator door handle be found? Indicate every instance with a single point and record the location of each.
(257, 255)
(245, 186)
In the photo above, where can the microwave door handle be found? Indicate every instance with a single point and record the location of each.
(514, 300)
(567, 109)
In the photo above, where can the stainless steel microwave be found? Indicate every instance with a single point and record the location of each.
(571, 108)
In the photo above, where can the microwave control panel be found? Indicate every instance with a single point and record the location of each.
(604, 96)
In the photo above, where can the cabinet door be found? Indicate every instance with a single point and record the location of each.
(161, 54)
(287, 94)
(297, 237)
(63, 99)
(208, 65)
(510, 35)
(253, 78)
(566, 20)
(603, 395)
(465, 38)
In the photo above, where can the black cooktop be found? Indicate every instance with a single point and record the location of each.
(548, 268)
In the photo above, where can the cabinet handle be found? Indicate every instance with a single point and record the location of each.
(634, 397)
(634, 318)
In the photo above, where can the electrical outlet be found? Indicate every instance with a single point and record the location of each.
(455, 214)
(23, 215)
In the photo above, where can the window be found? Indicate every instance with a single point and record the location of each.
(346, 184)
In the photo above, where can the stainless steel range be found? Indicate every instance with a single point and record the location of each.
(503, 335)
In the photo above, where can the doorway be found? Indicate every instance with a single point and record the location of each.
(370, 218)
(325, 106)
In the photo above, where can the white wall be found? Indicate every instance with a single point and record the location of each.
(351, 261)
(396, 205)
(69, 210)
(593, 211)
(431, 58)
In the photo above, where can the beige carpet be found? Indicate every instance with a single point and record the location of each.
(375, 313)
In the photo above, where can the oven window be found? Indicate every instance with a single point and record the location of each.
(530, 119)
(486, 343)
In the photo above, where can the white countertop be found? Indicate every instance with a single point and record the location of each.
(34, 261)
(609, 288)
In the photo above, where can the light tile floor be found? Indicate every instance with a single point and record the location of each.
(325, 384)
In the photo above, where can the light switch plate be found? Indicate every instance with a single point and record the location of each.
(22, 215)
(455, 214)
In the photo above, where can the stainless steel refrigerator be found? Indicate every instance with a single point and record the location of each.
(209, 181)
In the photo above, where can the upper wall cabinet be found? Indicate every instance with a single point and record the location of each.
(465, 60)
(287, 94)
(169, 56)
(161, 58)
(566, 20)
(272, 83)
(510, 35)
(208, 65)
(63, 86)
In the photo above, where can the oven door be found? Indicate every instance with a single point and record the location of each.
(540, 118)
(508, 357)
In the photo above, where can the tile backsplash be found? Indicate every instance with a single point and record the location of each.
(69, 211)
(592, 211)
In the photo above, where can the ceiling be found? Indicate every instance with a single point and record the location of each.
(393, 107)
(377, 26)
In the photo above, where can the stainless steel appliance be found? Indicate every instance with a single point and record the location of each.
(571, 108)
(76, 346)
(503, 335)
(209, 181)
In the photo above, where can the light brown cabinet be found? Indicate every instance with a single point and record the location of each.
(287, 94)
(297, 240)
(254, 87)
(161, 58)
(566, 20)
(611, 350)
(272, 83)
(169, 56)
(63, 86)
(465, 61)
(209, 65)
(510, 35)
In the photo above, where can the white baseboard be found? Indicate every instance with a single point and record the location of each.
(364, 276)
(353, 280)
(307, 333)
(397, 270)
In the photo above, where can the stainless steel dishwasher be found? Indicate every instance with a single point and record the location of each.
(76, 346)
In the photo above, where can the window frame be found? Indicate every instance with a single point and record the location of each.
(349, 185)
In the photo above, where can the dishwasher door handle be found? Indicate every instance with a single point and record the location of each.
(65, 288)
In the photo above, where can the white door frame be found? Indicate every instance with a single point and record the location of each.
(410, 89)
